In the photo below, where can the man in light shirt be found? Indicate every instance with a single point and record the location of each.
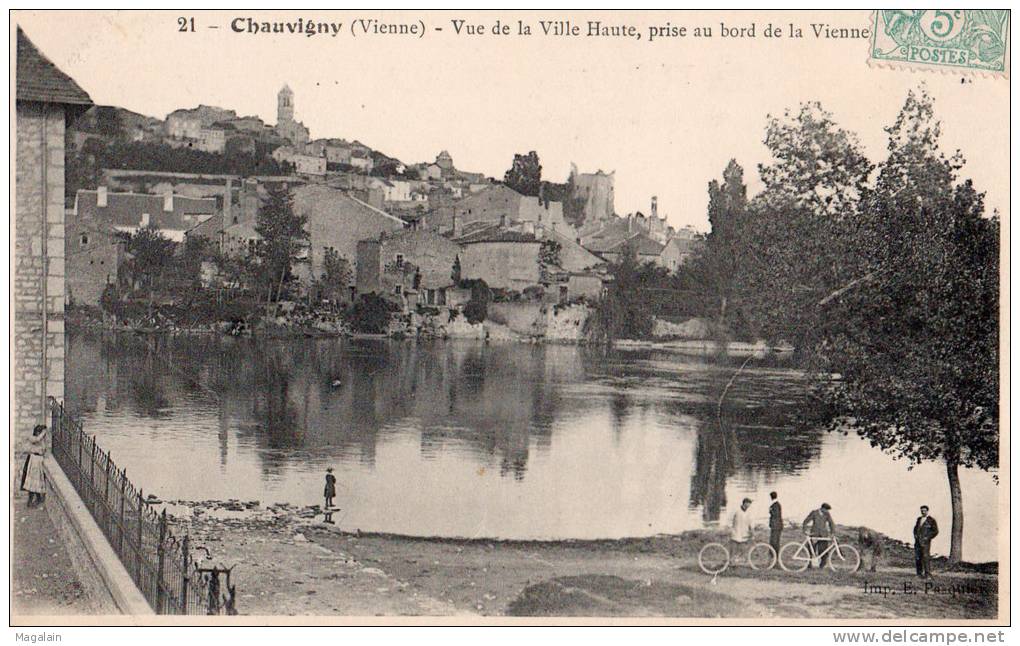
(740, 529)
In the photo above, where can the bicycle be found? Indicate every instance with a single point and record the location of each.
(714, 558)
(795, 557)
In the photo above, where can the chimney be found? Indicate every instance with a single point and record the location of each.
(101, 197)
(630, 223)
(144, 222)
(168, 201)
(655, 206)
(456, 226)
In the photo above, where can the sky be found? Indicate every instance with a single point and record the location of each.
(666, 116)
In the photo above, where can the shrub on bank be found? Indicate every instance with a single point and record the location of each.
(371, 314)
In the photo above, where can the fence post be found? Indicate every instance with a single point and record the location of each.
(92, 478)
(161, 552)
(81, 471)
(184, 576)
(138, 552)
(123, 525)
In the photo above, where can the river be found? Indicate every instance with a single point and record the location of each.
(464, 438)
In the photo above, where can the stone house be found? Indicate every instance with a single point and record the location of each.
(94, 257)
(46, 101)
(410, 266)
(211, 140)
(647, 250)
(502, 257)
(337, 220)
(189, 123)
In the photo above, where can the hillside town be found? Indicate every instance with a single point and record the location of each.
(416, 235)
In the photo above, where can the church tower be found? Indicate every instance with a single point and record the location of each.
(285, 105)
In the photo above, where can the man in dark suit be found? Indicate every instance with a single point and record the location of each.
(775, 522)
(925, 529)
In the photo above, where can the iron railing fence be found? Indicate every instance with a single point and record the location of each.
(161, 564)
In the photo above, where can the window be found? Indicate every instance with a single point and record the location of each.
(399, 258)
(398, 290)
(84, 239)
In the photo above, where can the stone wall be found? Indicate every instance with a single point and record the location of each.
(39, 264)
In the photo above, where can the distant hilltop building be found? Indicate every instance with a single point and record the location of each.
(597, 191)
(286, 126)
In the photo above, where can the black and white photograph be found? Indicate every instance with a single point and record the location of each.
(509, 317)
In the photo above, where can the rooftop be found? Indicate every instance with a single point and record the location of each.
(41, 80)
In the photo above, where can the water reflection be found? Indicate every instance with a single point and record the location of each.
(466, 438)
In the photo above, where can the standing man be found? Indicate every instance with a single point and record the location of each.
(329, 491)
(820, 528)
(775, 522)
(925, 529)
(740, 529)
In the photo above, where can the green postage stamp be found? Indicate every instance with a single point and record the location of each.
(952, 39)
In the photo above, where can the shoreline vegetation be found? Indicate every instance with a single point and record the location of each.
(426, 327)
(288, 561)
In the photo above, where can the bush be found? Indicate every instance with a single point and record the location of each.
(371, 314)
(477, 308)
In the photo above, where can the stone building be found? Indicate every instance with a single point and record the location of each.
(286, 126)
(410, 266)
(47, 100)
(337, 220)
(597, 190)
(94, 257)
(172, 215)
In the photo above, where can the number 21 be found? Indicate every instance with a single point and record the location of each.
(185, 24)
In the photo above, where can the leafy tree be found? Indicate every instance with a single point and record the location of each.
(151, 256)
(525, 175)
(797, 227)
(917, 345)
(477, 308)
(193, 252)
(628, 310)
(371, 314)
(715, 275)
(283, 237)
(336, 274)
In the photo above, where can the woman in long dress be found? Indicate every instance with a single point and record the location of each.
(32, 479)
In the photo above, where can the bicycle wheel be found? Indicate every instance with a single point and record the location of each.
(714, 558)
(845, 558)
(762, 557)
(794, 557)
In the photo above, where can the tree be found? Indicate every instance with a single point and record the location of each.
(525, 175)
(336, 274)
(283, 237)
(455, 271)
(151, 256)
(797, 227)
(917, 348)
(715, 274)
(628, 309)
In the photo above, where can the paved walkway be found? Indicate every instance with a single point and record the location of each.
(45, 581)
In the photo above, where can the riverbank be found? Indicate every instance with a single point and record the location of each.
(291, 562)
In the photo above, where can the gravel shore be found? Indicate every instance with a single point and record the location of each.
(290, 562)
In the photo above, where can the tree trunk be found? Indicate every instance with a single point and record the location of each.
(956, 540)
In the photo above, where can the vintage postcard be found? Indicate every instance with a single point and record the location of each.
(497, 317)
